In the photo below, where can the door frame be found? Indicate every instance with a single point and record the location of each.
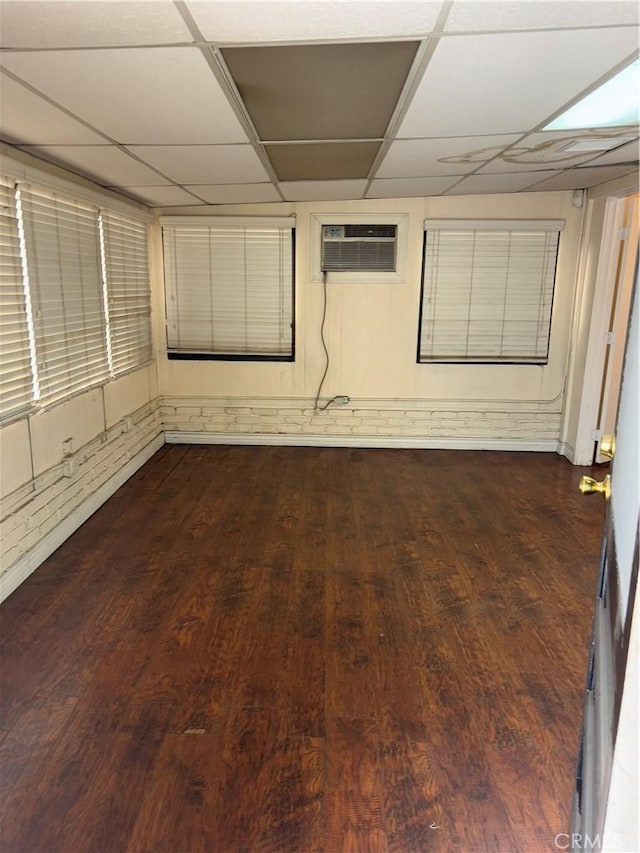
(620, 318)
(603, 304)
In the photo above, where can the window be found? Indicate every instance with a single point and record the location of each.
(16, 385)
(75, 298)
(229, 287)
(62, 243)
(126, 269)
(487, 290)
(358, 248)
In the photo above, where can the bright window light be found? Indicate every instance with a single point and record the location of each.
(614, 103)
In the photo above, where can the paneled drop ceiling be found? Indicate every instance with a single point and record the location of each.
(236, 101)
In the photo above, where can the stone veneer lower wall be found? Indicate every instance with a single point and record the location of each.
(41, 514)
(533, 423)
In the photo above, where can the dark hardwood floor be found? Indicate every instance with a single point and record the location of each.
(301, 649)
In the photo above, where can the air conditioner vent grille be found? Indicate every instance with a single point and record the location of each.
(359, 248)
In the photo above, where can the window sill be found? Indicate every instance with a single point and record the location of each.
(214, 356)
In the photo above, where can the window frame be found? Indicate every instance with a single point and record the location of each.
(488, 225)
(232, 222)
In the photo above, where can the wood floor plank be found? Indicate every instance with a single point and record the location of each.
(304, 649)
(354, 796)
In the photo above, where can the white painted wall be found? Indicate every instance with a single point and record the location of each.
(371, 332)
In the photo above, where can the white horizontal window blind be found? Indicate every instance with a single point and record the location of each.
(63, 259)
(229, 288)
(126, 261)
(16, 381)
(488, 291)
(75, 297)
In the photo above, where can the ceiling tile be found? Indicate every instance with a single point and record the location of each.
(251, 22)
(321, 91)
(409, 187)
(205, 164)
(104, 163)
(512, 82)
(544, 150)
(27, 118)
(505, 183)
(159, 95)
(538, 14)
(234, 193)
(576, 179)
(322, 190)
(68, 23)
(160, 196)
(457, 156)
(323, 161)
(624, 154)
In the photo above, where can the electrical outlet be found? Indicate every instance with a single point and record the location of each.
(343, 399)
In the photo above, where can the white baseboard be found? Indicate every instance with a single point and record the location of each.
(564, 449)
(29, 562)
(363, 441)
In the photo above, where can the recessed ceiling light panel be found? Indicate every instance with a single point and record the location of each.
(614, 104)
(580, 146)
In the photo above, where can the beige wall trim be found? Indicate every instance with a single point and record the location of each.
(285, 405)
(361, 441)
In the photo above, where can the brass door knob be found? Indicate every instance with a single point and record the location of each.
(608, 446)
(589, 486)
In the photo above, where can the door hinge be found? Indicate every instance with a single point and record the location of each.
(597, 434)
(610, 338)
(622, 234)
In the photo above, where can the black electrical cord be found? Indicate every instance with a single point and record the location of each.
(316, 407)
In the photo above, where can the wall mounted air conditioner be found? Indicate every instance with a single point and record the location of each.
(359, 248)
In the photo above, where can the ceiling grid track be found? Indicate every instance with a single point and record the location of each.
(423, 57)
(108, 139)
(223, 78)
